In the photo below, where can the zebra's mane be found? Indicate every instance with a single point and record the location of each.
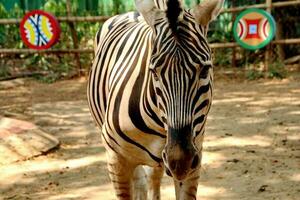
(173, 11)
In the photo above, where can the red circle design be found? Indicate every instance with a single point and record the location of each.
(265, 28)
(54, 25)
(242, 29)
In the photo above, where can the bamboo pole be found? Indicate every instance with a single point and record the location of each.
(233, 59)
(223, 45)
(233, 44)
(83, 19)
(48, 51)
(241, 8)
(74, 37)
(268, 49)
(91, 51)
(279, 36)
(275, 5)
(64, 19)
(287, 41)
(285, 3)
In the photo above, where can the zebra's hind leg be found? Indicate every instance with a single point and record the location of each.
(154, 175)
(139, 184)
(187, 190)
(120, 172)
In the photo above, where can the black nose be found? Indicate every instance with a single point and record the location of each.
(172, 165)
(164, 156)
(168, 172)
(195, 162)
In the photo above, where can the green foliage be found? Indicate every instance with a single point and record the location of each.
(222, 57)
(254, 75)
(4, 71)
(277, 70)
(58, 66)
(9, 34)
(55, 7)
(53, 66)
(220, 30)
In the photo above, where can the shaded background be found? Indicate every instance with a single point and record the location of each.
(252, 144)
(64, 66)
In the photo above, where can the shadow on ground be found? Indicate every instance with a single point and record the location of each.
(251, 149)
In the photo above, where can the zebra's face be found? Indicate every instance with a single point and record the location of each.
(181, 71)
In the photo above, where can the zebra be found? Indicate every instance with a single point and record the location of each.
(149, 91)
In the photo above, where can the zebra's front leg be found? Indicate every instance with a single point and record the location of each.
(154, 175)
(120, 172)
(139, 184)
(187, 189)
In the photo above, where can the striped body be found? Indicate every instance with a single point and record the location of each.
(149, 91)
(120, 88)
(122, 92)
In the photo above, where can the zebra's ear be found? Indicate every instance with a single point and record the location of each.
(149, 11)
(207, 11)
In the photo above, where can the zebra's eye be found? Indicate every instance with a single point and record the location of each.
(204, 71)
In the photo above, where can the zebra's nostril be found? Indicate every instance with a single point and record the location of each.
(168, 172)
(173, 165)
(164, 156)
(195, 162)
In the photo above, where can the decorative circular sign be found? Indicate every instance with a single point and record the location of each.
(39, 30)
(254, 29)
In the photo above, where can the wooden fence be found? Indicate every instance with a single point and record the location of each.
(72, 20)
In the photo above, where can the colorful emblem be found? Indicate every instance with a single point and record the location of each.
(39, 30)
(254, 29)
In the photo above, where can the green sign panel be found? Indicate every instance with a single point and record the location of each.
(254, 29)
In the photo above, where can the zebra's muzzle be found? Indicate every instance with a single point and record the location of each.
(180, 163)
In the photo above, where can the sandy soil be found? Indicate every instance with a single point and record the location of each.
(252, 146)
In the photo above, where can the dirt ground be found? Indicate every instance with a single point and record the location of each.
(252, 145)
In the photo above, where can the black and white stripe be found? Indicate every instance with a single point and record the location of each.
(146, 82)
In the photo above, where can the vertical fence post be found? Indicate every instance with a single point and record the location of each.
(74, 37)
(233, 60)
(269, 49)
(279, 36)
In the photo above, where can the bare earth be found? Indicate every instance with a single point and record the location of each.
(252, 146)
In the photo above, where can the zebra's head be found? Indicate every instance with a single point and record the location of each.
(181, 71)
